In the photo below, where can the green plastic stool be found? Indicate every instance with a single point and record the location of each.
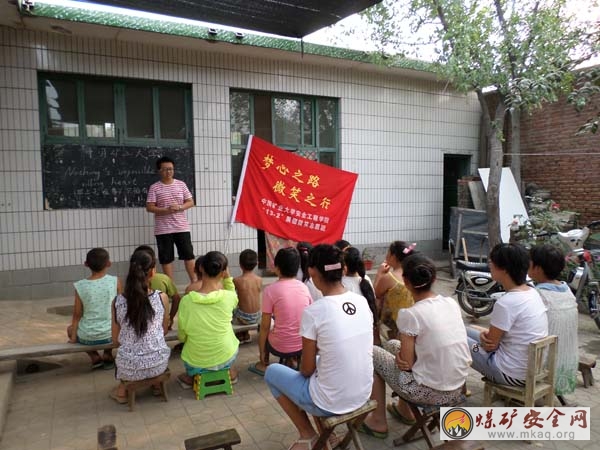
(212, 382)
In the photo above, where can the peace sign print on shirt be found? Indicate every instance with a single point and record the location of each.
(349, 308)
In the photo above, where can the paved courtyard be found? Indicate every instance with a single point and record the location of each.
(62, 408)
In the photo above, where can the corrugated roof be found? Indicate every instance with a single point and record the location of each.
(284, 18)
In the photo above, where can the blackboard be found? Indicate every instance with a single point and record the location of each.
(91, 176)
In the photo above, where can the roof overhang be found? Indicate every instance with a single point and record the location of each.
(77, 19)
(293, 18)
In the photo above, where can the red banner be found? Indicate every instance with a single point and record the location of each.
(292, 197)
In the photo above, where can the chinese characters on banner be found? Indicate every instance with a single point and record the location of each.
(292, 197)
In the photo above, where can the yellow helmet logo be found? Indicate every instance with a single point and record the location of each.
(457, 423)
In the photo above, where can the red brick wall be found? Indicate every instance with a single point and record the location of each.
(572, 171)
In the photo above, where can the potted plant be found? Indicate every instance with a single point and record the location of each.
(368, 258)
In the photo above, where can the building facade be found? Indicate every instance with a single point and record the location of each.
(85, 112)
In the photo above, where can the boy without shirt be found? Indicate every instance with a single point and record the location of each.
(248, 286)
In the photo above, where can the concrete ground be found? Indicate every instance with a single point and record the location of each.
(62, 408)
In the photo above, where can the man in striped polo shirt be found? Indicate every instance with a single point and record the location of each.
(167, 200)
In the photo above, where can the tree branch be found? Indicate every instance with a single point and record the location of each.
(509, 49)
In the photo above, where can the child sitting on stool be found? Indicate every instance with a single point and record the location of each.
(91, 320)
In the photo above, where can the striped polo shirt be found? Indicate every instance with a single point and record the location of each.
(163, 196)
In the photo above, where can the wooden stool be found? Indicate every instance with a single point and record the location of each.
(287, 358)
(107, 438)
(586, 364)
(353, 420)
(212, 382)
(133, 386)
(428, 419)
(221, 439)
(460, 445)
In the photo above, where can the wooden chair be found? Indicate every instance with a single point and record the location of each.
(539, 382)
(353, 420)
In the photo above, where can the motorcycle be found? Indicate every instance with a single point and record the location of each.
(580, 278)
(476, 291)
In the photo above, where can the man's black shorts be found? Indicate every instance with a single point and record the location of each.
(182, 241)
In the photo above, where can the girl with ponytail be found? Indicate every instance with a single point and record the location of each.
(204, 323)
(355, 278)
(304, 249)
(390, 290)
(139, 323)
(339, 328)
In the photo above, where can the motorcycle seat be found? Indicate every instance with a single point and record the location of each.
(468, 265)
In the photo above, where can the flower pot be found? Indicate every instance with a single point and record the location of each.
(368, 264)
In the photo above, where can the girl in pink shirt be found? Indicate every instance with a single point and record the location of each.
(283, 301)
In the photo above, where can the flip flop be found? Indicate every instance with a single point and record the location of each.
(235, 380)
(391, 408)
(108, 365)
(252, 368)
(97, 365)
(365, 429)
(117, 398)
(183, 384)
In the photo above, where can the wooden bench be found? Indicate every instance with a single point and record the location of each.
(38, 351)
(213, 441)
(586, 364)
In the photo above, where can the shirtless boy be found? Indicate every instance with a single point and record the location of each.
(248, 286)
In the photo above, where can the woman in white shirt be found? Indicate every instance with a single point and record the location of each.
(429, 365)
(339, 329)
(500, 352)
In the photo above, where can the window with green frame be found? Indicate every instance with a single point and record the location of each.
(303, 124)
(91, 110)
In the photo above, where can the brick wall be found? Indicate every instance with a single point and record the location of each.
(569, 165)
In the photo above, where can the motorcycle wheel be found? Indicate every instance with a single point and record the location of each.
(471, 305)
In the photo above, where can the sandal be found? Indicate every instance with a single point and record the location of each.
(252, 368)
(182, 379)
(108, 364)
(308, 442)
(393, 410)
(116, 397)
(365, 429)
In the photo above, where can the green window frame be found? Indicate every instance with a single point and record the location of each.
(312, 127)
(119, 91)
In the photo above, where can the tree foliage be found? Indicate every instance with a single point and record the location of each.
(587, 94)
(523, 50)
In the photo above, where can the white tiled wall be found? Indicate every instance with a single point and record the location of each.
(394, 133)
